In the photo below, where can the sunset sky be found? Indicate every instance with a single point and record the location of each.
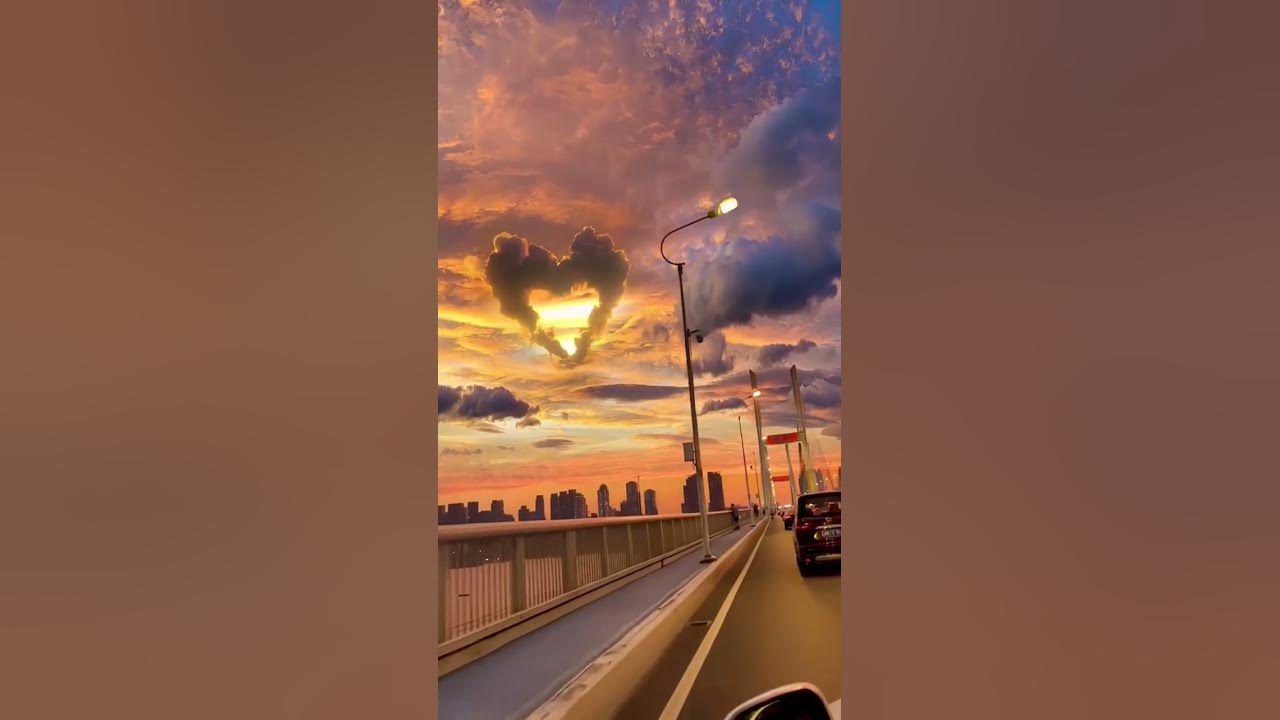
(632, 118)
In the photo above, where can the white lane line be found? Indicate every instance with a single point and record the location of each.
(681, 693)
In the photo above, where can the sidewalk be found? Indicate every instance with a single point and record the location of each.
(517, 678)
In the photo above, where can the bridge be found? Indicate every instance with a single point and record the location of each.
(617, 617)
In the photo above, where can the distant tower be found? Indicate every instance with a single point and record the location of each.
(602, 500)
(456, 514)
(690, 504)
(650, 502)
(715, 492)
(632, 506)
(539, 509)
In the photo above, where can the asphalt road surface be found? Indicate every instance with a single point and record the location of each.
(780, 628)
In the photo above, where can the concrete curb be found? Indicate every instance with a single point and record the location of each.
(594, 693)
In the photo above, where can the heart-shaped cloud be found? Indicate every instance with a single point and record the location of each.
(517, 267)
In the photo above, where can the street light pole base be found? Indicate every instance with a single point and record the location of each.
(707, 558)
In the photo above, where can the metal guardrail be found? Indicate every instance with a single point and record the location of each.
(496, 574)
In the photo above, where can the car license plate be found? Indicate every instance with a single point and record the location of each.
(832, 533)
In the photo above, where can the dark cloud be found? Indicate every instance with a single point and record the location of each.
(461, 451)
(785, 172)
(447, 399)
(820, 394)
(529, 421)
(777, 352)
(742, 279)
(630, 392)
(788, 152)
(711, 406)
(711, 356)
(476, 402)
(552, 443)
(516, 267)
(506, 448)
(485, 427)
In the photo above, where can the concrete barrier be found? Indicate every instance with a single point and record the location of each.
(595, 693)
(472, 648)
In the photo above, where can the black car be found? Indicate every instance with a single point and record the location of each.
(788, 516)
(817, 533)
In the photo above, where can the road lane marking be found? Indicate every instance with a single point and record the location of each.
(683, 688)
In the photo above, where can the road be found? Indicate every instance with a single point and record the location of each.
(779, 628)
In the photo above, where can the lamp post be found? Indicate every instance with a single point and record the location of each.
(723, 207)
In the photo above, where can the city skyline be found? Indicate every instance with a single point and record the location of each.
(647, 503)
(561, 361)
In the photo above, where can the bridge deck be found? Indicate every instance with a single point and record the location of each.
(516, 679)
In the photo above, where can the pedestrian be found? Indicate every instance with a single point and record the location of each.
(733, 512)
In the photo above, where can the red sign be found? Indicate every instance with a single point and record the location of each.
(780, 478)
(782, 439)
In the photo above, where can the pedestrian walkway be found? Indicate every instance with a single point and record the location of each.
(516, 679)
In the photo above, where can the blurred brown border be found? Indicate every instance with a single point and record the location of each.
(215, 387)
(1061, 350)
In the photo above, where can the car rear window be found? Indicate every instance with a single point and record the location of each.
(820, 505)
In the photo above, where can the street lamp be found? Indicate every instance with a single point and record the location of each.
(726, 205)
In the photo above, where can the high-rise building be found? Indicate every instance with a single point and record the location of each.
(690, 504)
(498, 508)
(456, 514)
(715, 492)
(631, 506)
(602, 500)
(569, 504)
(440, 518)
(473, 511)
(539, 509)
(650, 502)
(523, 514)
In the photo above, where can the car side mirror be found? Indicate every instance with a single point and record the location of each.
(798, 701)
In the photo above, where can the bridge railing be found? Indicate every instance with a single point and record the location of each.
(494, 575)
